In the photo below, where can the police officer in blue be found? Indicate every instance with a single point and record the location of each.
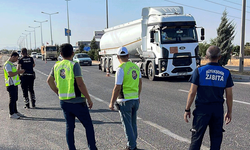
(208, 84)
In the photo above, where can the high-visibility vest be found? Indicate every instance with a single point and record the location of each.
(15, 79)
(130, 86)
(65, 79)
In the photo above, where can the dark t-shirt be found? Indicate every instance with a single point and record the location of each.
(27, 64)
(211, 79)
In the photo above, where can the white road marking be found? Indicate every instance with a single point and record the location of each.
(237, 101)
(41, 72)
(85, 70)
(162, 129)
(247, 83)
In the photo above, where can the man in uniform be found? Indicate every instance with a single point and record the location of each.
(72, 93)
(127, 89)
(27, 79)
(11, 82)
(208, 84)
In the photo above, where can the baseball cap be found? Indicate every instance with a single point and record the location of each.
(122, 51)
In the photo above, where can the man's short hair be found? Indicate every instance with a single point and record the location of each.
(213, 52)
(14, 54)
(24, 51)
(66, 50)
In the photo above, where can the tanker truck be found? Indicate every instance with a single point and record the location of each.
(163, 43)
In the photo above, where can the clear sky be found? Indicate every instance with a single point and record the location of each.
(87, 16)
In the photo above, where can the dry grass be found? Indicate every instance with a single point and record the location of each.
(232, 62)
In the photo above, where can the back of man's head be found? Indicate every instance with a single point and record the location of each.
(66, 50)
(14, 54)
(24, 51)
(213, 52)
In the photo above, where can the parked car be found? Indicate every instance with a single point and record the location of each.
(82, 59)
(59, 58)
(38, 55)
(33, 54)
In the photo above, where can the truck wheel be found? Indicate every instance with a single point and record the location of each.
(111, 70)
(151, 72)
(103, 65)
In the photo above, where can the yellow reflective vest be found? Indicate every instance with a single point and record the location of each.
(65, 79)
(130, 86)
(14, 79)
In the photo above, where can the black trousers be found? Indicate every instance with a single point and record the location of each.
(207, 115)
(27, 84)
(13, 93)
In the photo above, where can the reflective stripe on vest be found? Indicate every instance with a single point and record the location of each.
(130, 86)
(15, 79)
(65, 79)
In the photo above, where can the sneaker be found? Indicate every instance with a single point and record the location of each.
(128, 148)
(19, 114)
(14, 116)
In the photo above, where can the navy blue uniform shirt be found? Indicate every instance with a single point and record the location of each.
(211, 79)
(27, 64)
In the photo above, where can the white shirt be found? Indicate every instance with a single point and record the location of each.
(119, 80)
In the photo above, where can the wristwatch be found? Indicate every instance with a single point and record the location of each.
(187, 110)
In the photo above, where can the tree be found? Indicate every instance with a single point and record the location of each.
(94, 50)
(225, 36)
(203, 48)
(81, 47)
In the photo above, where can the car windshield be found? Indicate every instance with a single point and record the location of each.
(180, 34)
(33, 53)
(82, 56)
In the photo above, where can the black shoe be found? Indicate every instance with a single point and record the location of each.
(27, 106)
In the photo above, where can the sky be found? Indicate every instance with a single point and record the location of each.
(87, 16)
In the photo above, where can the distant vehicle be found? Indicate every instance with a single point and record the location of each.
(38, 55)
(59, 58)
(82, 59)
(49, 52)
(20, 54)
(33, 54)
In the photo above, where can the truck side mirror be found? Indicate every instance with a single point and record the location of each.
(202, 34)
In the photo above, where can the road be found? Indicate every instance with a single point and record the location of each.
(160, 117)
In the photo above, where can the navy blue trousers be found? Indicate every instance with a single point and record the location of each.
(81, 111)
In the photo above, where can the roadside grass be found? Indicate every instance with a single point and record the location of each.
(233, 62)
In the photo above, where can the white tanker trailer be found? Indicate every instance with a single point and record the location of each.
(163, 43)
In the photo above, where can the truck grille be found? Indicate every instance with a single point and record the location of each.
(182, 59)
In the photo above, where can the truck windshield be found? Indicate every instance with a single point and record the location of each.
(50, 48)
(180, 34)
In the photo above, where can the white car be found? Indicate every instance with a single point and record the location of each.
(38, 55)
(33, 54)
(83, 59)
(59, 58)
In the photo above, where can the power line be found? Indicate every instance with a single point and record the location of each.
(224, 5)
(235, 3)
(203, 9)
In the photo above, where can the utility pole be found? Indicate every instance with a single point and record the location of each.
(242, 41)
(107, 14)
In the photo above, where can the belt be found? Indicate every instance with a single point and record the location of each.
(27, 74)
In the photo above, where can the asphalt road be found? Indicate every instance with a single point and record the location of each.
(160, 117)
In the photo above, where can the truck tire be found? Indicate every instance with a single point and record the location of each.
(151, 72)
(111, 70)
(103, 65)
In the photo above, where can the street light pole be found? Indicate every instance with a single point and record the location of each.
(30, 37)
(68, 20)
(107, 14)
(26, 39)
(41, 30)
(50, 24)
(34, 33)
(242, 41)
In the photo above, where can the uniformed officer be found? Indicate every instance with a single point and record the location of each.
(11, 82)
(27, 79)
(126, 93)
(72, 93)
(208, 84)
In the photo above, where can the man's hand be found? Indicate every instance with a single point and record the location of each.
(111, 106)
(90, 103)
(186, 116)
(228, 117)
(21, 71)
